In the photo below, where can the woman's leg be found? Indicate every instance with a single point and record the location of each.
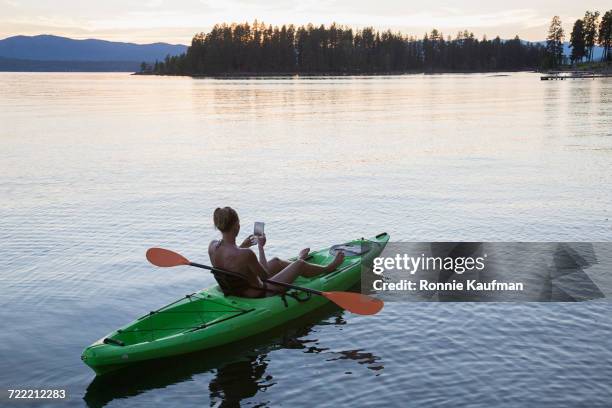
(275, 265)
(303, 268)
(287, 275)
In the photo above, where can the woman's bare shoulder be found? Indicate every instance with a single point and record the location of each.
(246, 253)
(212, 245)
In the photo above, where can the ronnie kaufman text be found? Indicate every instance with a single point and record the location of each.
(469, 285)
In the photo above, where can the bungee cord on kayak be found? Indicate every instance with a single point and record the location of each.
(235, 310)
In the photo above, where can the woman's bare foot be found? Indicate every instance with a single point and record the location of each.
(304, 253)
(336, 262)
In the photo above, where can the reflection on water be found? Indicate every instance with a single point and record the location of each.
(236, 381)
(96, 168)
(362, 357)
(239, 371)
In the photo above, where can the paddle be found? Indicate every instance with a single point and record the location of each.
(353, 302)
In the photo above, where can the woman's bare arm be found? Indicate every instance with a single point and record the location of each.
(255, 267)
(261, 242)
(210, 249)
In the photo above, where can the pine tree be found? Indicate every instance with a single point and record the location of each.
(605, 36)
(590, 32)
(554, 42)
(577, 41)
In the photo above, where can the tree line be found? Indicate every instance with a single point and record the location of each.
(259, 48)
(586, 33)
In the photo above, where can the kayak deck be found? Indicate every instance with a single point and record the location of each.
(190, 313)
(208, 318)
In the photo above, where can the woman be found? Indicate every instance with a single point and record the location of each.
(225, 254)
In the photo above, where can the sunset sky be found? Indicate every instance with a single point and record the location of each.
(176, 21)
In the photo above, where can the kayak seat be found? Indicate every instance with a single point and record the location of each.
(231, 285)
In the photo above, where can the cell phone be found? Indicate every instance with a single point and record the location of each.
(258, 229)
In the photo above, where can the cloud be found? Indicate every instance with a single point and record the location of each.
(441, 19)
(154, 3)
(114, 19)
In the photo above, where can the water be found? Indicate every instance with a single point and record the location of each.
(96, 168)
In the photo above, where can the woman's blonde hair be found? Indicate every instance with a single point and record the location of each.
(225, 218)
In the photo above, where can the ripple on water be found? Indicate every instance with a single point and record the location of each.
(96, 168)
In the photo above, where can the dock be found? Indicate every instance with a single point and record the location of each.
(562, 75)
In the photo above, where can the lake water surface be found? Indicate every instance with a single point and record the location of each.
(96, 168)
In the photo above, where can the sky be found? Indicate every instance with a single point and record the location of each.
(175, 21)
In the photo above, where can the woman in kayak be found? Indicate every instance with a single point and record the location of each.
(225, 254)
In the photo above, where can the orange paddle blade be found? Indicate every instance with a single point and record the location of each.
(165, 258)
(355, 302)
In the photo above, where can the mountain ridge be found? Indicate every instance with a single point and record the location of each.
(24, 65)
(46, 47)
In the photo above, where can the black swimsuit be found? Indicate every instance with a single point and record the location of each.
(235, 286)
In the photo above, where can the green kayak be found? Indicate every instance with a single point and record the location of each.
(208, 318)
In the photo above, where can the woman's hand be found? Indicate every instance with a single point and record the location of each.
(261, 241)
(248, 241)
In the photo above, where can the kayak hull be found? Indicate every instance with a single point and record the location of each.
(208, 319)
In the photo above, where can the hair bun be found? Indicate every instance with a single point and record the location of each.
(225, 218)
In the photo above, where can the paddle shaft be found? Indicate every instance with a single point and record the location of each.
(286, 285)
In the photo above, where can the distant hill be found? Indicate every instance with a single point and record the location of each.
(23, 65)
(597, 51)
(54, 48)
(567, 50)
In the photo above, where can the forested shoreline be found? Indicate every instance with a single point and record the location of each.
(243, 49)
(260, 49)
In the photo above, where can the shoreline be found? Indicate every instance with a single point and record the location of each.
(330, 74)
(599, 69)
(581, 71)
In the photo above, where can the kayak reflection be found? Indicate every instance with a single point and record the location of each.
(236, 381)
(237, 375)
